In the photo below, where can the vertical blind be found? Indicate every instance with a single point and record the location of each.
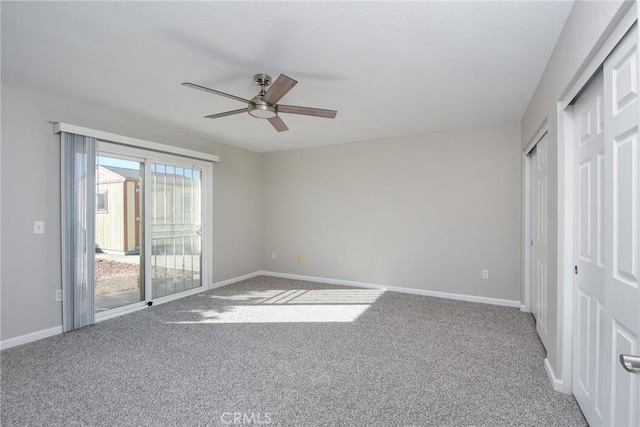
(78, 163)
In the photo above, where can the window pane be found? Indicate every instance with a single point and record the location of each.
(118, 266)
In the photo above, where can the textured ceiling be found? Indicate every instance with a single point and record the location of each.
(389, 68)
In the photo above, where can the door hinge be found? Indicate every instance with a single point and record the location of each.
(575, 269)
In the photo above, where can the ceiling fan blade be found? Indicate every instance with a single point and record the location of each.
(316, 112)
(226, 113)
(215, 92)
(278, 124)
(278, 89)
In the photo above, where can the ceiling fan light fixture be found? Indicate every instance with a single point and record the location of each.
(262, 111)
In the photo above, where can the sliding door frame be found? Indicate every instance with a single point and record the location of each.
(206, 270)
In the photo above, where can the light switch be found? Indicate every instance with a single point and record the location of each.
(38, 227)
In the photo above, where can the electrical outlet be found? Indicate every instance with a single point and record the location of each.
(299, 258)
(273, 255)
(485, 274)
(59, 295)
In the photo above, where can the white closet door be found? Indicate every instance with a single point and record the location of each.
(622, 230)
(539, 235)
(589, 257)
(606, 239)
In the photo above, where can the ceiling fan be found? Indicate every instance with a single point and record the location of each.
(265, 104)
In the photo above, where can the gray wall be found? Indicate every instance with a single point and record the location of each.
(588, 25)
(426, 212)
(31, 191)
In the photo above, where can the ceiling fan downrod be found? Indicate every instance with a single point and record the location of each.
(262, 80)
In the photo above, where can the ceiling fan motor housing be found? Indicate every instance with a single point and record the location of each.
(260, 109)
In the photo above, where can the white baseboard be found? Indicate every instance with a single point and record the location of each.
(234, 280)
(555, 381)
(413, 291)
(34, 336)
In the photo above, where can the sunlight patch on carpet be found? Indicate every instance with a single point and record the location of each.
(283, 314)
(290, 306)
(307, 296)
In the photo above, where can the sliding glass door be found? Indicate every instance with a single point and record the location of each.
(148, 225)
